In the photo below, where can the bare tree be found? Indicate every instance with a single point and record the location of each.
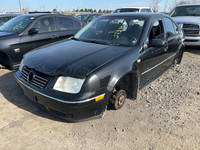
(165, 6)
(181, 2)
(155, 5)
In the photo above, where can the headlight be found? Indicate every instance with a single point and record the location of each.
(21, 65)
(68, 84)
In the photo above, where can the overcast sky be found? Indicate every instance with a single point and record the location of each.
(49, 5)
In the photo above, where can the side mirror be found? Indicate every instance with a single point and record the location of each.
(157, 43)
(33, 31)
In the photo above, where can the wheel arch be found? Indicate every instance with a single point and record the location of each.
(5, 59)
(127, 79)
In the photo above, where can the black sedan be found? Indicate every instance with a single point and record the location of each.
(6, 17)
(107, 61)
(29, 31)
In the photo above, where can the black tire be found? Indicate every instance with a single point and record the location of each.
(4, 61)
(117, 100)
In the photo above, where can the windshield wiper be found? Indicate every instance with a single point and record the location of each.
(99, 42)
(92, 41)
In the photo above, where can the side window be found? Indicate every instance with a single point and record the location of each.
(148, 10)
(157, 31)
(77, 24)
(44, 25)
(169, 27)
(145, 10)
(92, 17)
(66, 23)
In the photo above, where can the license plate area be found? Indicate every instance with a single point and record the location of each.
(30, 94)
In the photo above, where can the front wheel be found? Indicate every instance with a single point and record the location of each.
(118, 99)
(178, 58)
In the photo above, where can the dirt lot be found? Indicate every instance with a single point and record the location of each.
(165, 116)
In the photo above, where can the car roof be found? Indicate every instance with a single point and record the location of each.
(134, 14)
(134, 7)
(2, 15)
(88, 14)
(198, 4)
(43, 14)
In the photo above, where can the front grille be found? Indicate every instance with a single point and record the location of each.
(191, 32)
(191, 29)
(37, 79)
(191, 26)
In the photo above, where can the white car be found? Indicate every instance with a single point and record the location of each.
(188, 17)
(133, 9)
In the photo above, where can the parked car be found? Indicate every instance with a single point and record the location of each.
(107, 61)
(133, 9)
(87, 17)
(6, 17)
(188, 17)
(29, 31)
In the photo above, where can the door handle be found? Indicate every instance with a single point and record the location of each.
(54, 36)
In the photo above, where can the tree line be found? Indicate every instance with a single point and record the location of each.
(93, 10)
(169, 5)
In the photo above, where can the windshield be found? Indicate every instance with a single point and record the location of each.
(82, 17)
(126, 10)
(186, 11)
(17, 24)
(112, 31)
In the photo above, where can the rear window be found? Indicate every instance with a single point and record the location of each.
(126, 10)
(145, 10)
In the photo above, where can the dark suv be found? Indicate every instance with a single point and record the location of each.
(29, 31)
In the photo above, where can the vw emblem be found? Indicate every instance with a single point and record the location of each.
(30, 76)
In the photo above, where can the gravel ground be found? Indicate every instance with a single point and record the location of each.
(165, 116)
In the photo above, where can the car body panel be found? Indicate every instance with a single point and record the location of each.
(79, 62)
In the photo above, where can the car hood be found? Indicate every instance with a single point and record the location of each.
(187, 19)
(72, 58)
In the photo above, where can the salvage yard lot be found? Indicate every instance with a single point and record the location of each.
(165, 116)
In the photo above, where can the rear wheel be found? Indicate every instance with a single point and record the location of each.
(118, 99)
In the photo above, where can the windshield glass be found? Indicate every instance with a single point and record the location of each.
(126, 10)
(112, 31)
(186, 11)
(82, 17)
(17, 24)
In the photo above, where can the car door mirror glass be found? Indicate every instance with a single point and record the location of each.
(156, 43)
(33, 31)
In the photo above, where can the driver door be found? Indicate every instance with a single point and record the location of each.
(153, 58)
(46, 34)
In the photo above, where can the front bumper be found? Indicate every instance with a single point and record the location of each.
(192, 41)
(77, 110)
